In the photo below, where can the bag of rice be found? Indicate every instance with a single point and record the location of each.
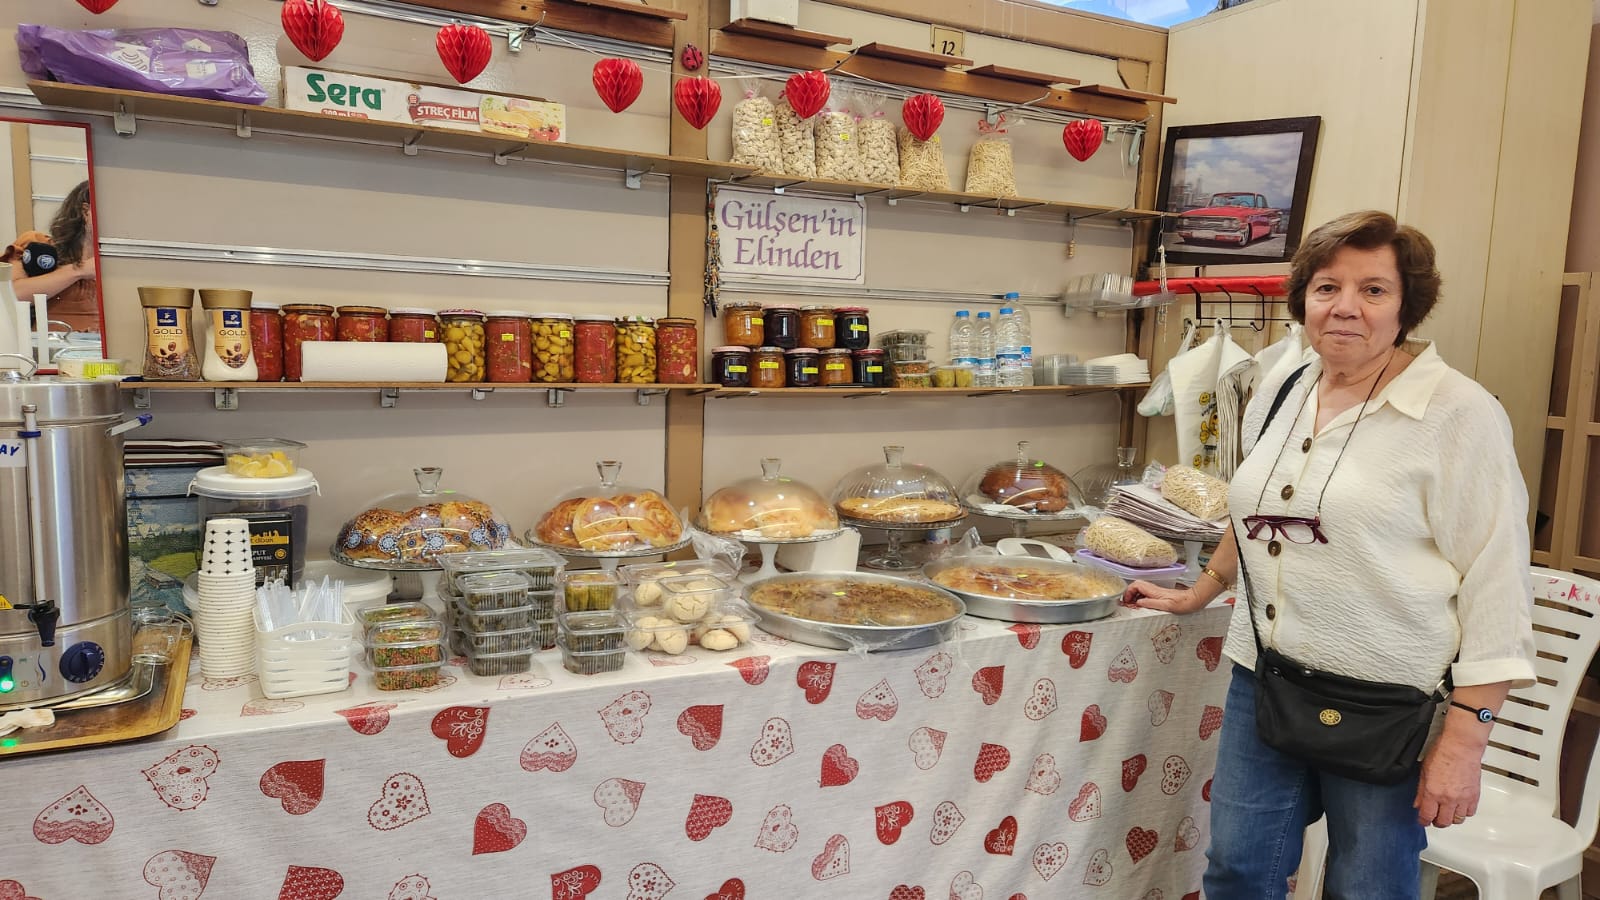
(1127, 544)
(755, 134)
(1195, 492)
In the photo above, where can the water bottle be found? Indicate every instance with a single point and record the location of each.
(983, 349)
(961, 339)
(1008, 370)
(1005, 333)
(1024, 326)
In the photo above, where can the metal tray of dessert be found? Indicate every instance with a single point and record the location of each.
(1027, 589)
(850, 610)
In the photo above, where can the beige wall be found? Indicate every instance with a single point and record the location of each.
(185, 184)
(1583, 244)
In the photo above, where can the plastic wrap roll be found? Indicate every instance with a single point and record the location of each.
(357, 361)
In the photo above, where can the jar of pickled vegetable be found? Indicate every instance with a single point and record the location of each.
(743, 324)
(303, 322)
(767, 368)
(871, 368)
(554, 352)
(410, 325)
(782, 326)
(730, 366)
(816, 327)
(266, 341)
(508, 350)
(595, 349)
(836, 367)
(677, 351)
(852, 328)
(369, 324)
(803, 367)
(636, 351)
(463, 344)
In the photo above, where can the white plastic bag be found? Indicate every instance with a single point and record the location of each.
(1158, 401)
(1196, 375)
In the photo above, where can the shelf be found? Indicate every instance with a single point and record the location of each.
(126, 107)
(853, 393)
(1023, 75)
(632, 8)
(964, 201)
(1106, 90)
(912, 57)
(621, 21)
(226, 394)
(920, 77)
(776, 32)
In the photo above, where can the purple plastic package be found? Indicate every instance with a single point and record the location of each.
(184, 62)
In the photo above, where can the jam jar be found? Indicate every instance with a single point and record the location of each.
(743, 324)
(303, 322)
(677, 351)
(766, 367)
(782, 326)
(554, 354)
(411, 325)
(836, 367)
(853, 330)
(595, 349)
(636, 351)
(266, 341)
(463, 344)
(508, 349)
(369, 324)
(871, 368)
(816, 327)
(803, 369)
(731, 366)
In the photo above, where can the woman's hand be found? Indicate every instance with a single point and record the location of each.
(1447, 793)
(1173, 600)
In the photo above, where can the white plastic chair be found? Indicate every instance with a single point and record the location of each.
(1517, 846)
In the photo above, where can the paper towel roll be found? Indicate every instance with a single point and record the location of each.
(359, 361)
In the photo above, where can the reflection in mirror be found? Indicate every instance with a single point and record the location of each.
(48, 246)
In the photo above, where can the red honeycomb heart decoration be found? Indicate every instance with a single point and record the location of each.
(807, 92)
(618, 82)
(697, 99)
(923, 114)
(97, 6)
(314, 27)
(1083, 138)
(464, 50)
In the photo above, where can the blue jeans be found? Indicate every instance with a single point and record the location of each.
(1262, 801)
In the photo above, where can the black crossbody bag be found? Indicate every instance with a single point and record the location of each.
(1368, 731)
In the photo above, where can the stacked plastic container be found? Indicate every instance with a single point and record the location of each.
(589, 628)
(405, 645)
(500, 607)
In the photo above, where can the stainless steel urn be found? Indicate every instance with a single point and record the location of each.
(64, 615)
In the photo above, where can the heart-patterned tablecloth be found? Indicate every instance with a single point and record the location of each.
(1016, 761)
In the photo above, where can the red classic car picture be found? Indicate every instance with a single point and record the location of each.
(1233, 218)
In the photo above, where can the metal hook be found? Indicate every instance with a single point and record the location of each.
(847, 57)
(516, 37)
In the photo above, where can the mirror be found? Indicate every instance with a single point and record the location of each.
(48, 240)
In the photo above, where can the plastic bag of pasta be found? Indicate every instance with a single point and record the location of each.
(755, 133)
(990, 170)
(922, 163)
(1195, 492)
(838, 143)
(880, 149)
(797, 142)
(1125, 543)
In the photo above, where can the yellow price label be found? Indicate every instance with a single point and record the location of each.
(825, 323)
(738, 368)
(566, 334)
(507, 338)
(768, 364)
(874, 369)
(857, 326)
(809, 370)
(428, 334)
(758, 321)
(835, 367)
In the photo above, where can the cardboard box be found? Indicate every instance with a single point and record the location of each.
(783, 12)
(414, 103)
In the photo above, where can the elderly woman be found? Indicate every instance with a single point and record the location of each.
(61, 264)
(1395, 549)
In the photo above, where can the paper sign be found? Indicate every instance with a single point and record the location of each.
(791, 237)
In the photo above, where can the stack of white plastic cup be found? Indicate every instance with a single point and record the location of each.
(224, 621)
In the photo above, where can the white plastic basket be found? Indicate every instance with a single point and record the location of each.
(305, 658)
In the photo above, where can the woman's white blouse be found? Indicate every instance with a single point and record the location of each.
(1426, 520)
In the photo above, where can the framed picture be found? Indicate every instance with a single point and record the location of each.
(1236, 192)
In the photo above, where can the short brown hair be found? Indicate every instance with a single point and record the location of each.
(1369, 230)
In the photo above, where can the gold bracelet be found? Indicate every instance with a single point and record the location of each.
(1217, 578)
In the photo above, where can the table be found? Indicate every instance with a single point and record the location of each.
(1016, 760)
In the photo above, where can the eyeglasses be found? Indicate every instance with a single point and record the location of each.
(1294, 529)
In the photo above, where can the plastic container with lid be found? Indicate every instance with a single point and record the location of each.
(227, 355)
(636, 351)
(494, 591)
(782, 326)
(871, 369)
(816, 327)
(913, 373)
(677, 351)
(370, 617)
(588, 591)
(837, 367)
(464, 341)
(407, 530)
(508, 349)
(278, 509)
(540, 567)
(591, 631)
(897, 492)
(304, 322)
(514, 640)
(1022, 487)
(770, 506)
(407, 643)
(169, 350)
(413, 325)
(509, 619)
(852, 328)
(591, 662)
(262, 457)
(767, 368)
(802, 367)
(554, 348)
(497, 664)
(730, 366)
(743, 324)
(595, 349)
(367, 324)
(407, 678)
(609, 519)
(266, 337)
(952, 376)
(639, 575)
